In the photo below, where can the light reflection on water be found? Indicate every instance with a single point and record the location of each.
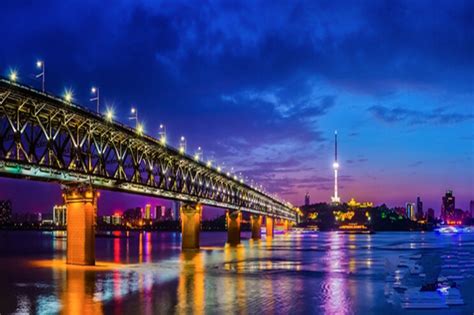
(327, 273)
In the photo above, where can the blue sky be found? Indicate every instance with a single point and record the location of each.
(262, 85)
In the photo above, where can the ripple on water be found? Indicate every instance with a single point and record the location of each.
(259, 266)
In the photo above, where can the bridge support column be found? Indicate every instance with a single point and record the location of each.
(269, 226)
(256, 226)
(190, 226)
(233, 227)
(81, 212)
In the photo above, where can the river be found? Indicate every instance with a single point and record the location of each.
(321, 273)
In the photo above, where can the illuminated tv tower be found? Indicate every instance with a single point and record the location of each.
(335, 166)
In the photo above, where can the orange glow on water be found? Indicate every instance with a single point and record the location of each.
(61, 264)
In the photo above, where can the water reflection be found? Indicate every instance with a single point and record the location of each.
(78, 294)
(147, 273)
(191, 290)
(334, 285)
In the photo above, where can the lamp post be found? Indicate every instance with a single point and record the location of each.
(182, 145)
(162, 134)
(198, 154)
(134, 116)
(40, 65)
(96, 98)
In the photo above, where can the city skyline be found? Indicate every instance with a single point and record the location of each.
(403, 109)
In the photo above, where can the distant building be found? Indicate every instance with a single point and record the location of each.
(5, 212)
(175, 210)
(419, 209)
(430, 214)
(410, 208)
(153, 213)
(60, 215)
(106, 219)
(448, 206)
(133, 216)
(354, 204)
(306, 199)
(147, 211)
(471, 208)
(402, 211)
(169, 214)
(116, 219)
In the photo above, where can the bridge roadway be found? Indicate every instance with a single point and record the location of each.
(45, 138)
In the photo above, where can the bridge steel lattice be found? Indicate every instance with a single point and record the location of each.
(43, 137)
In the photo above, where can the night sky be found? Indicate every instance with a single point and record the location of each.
(262, 86)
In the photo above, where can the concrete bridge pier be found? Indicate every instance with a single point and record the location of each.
(233, 227)
(269, 226)
(81, 205)
(256, 226)
(190, 226)
(286, 225)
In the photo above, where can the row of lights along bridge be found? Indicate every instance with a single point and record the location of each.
(109, 115)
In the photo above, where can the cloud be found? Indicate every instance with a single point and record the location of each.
(417, 117)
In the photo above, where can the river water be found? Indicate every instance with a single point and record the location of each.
(321, 273)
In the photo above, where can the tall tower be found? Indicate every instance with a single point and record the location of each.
(335, 166)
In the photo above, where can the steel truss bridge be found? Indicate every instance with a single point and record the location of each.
(43, 137)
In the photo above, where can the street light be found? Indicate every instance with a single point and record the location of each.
(198, 154)
(68, 95)
(40, 65)
(182, 145)
(109, 115)
(13, 75)
(140, 129)
(162, 134)
(95, 92)
(134, 116)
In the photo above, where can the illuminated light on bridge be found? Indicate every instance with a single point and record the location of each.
(182, 145)
(96, 98)
(68, 95)
(72, 145)
(40, 65)
(162, 134)
(13, 75)
(140, 128)
(109, 115)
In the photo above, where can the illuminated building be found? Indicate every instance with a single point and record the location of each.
(107, 219)
(306, 200)
(335, 199)
(448, 205)
(354, 204)
(410, 208)
(116, 219)
(147, 211)
(60, 215)
(5, 212)
(419, 209)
